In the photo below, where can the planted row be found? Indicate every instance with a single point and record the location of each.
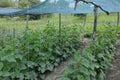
(94, 62)
(37, 52)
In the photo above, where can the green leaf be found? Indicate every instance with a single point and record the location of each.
(37, 49)
(63, 78)
(80, 77)
(19, 56)
(84, 70)
(85, 62)
(102, 75)
(31, 64)
(92, 72)
(70, 69)
(31, 75)
(100, 55)
(5, 74)
(1, 65)
(22, 66)
(9, 58)
(50, 67)
(20, 76)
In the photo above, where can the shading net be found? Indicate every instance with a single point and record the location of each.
(67, 7)
(7, 11)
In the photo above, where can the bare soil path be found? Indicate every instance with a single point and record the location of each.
(114, 71)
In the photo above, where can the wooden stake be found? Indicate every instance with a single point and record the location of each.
(27, 19)
(118, 19)
(83, 27)
(95, 22)
(13, 32)
(60, 28)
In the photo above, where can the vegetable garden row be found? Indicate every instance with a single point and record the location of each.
(33, 54)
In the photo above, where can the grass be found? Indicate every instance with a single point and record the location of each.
(102, 17)
(69, 20)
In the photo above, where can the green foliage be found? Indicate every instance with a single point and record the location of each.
(93, 63)
(6, 3)
(81, 16)
(30, 56)
(29, 3)
(23, 3)
(26, 3)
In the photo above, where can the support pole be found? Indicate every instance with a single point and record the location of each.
(60, 28)
(83, 30)
(118, 19)
(14, 33)
(95, 22)
(27, 19)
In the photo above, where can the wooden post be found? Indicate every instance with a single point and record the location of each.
(2, 36)
(13, 32)
(27, 19)
(83, 31)
(60, 28)
(118, 19)
(95, 22)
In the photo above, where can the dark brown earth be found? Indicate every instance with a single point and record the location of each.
(114, 71)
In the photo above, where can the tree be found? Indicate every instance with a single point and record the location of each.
(26, 3)
(6, 3)
(32, 2)
(29, 3)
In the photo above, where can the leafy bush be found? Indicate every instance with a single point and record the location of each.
(31, 55)
(81, 16)
(6, 3)
(93, 63)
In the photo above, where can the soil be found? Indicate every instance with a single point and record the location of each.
(113, 72)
